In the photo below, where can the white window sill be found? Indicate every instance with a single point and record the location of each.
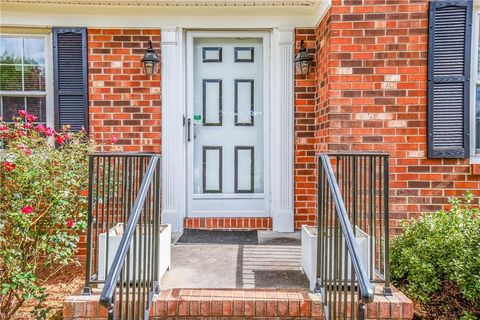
(475, 159)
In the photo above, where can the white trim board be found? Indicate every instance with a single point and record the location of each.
(281, 127)
(173, 134)
(47, 15)
(474, 157)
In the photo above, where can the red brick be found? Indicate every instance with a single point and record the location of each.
(227, 307)
(238, 307)
(250, 307)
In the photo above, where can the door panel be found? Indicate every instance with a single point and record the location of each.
(227, 173)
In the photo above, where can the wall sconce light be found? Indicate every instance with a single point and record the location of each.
(150, 61)
(303, 60)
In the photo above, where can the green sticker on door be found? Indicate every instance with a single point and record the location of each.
(197, 118)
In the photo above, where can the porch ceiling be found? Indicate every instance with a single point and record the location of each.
(180, 3)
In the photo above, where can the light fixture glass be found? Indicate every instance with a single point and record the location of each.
(150, 60)
(303, 60)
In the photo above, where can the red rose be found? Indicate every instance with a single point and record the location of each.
(40, 128)
(23, 113)
(27, 125)
(9, 166)
(70, 223)
(3, 128)
(113, 139)
(30, 117)
(60, 140)
(27, 209)
(49, 132)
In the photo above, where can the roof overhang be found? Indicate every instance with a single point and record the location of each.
(187, 14)
(178, 3)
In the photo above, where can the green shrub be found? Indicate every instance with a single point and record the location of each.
(438, 249)
(43, 208)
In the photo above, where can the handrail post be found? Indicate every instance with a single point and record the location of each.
(87, 289)
(387, 290)
(156, 226)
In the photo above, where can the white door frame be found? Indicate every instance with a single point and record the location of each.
(281, 126)
(265, 36)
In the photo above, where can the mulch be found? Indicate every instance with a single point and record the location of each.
(66, 282)
(446, 304)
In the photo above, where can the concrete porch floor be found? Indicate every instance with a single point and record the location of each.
(275, 262)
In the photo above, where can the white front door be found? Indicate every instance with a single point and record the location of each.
(226, 125)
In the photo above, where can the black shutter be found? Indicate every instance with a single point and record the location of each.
(70, 77)
(450, 32)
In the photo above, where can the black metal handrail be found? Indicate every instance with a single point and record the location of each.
(342, 278)
(140, 237)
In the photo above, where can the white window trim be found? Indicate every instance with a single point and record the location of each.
(474, 156)
(49, 103)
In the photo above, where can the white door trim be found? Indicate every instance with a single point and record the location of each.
(173, 134)
(281, 126)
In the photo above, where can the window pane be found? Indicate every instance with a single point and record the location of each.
(10, 50)
(37, 107)
(11, 77)
(11, 105)
(34, 51)
(34, 78)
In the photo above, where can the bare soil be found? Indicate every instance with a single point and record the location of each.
(64, 283)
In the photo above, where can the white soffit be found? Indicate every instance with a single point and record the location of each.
(188, 14)
(178, 3)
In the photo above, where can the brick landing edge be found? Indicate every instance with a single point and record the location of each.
(228, 223)
(239, 304)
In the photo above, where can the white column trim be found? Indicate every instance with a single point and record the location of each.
(282, 115)
(173, 142)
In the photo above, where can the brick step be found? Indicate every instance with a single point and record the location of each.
(237, 303)
(240, 304)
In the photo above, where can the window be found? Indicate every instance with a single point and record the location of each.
(23, 81)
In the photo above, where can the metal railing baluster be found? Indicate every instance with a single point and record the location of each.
(352, 202)
(124, 191)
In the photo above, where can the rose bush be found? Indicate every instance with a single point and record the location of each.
(42, 208)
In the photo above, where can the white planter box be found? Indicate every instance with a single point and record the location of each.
(309, 253)
(114, 237)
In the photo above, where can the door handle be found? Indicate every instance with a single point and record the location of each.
(189, 124)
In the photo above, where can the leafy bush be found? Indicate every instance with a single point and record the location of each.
(43, 178)
(440, 254)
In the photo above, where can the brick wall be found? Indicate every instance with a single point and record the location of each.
(124, 102)
(377, 79)
(305, 129)
(322, 57)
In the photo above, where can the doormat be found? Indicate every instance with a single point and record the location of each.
(196, 236)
